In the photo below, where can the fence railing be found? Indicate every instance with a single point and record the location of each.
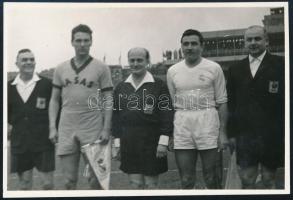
(233, 52)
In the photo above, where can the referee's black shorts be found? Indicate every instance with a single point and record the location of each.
(44, 161)
(253, 150)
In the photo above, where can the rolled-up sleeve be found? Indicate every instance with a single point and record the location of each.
(170, 84)
(106, 79)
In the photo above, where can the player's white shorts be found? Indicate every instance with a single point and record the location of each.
(196, 129)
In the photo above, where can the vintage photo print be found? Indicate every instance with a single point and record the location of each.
(200, 93)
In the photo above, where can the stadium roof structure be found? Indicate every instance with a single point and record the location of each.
(223, 33)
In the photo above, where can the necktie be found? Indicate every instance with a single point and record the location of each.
(254, 66)
(253, 60)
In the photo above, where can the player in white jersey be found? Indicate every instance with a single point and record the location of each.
(84, 85)
(197, 87)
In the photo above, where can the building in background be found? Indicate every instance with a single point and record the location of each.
(227, 46)
(224, 47)
(274, 24)
(116, 73)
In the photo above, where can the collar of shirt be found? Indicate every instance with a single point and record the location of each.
(148, 78)
(259, 58)
(19, 81)
(25, 89)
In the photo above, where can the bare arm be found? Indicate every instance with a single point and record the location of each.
(223, 116)
(107, 98)
(54, 107)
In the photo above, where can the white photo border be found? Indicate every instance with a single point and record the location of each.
(115, 193)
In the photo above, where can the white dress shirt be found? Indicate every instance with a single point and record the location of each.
(148, 78)
(25, 88)
(255, 63)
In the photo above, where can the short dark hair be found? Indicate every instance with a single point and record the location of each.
(147, 53)
(189, 32)
(23, 51)
(81, 28)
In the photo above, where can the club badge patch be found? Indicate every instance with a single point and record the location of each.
(41, 103)
(273, 86)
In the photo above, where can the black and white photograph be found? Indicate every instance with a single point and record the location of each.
(145, 99)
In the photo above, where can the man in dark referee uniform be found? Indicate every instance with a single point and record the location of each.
(256, 93)
(142, 122)
(28, 124)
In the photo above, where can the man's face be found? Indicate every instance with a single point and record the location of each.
(26, 63)
(82, 43)
(255, 41)
(191, 48)
(137, 61)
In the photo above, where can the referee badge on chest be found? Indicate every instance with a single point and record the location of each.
(273, 86)
(41, 103)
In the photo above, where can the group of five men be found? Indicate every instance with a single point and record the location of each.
(145, 115)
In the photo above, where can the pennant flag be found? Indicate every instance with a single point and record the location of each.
(233, 180)
(99, 157)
